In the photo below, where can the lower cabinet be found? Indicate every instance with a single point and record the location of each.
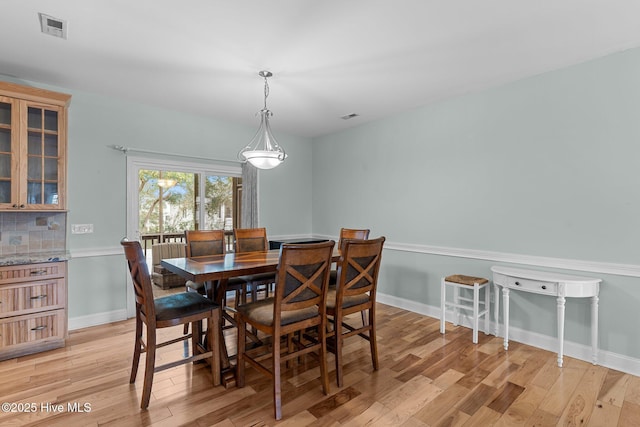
(33, 308)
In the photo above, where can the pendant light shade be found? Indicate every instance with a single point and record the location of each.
(263, 151)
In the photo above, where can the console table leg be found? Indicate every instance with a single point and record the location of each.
(505, 302)
(594, 328)
(561, 304)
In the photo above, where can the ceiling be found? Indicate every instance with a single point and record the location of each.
(330, 58)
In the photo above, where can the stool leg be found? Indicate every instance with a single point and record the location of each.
(476, 303)
(456, 301)
(443, 311)
(487, 304)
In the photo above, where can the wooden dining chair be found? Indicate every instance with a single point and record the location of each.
(210, 242)
(298, 305)
(252, 240)
(355, 292)
(172, 310)
(347, 233)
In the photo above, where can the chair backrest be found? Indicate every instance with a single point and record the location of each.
(352, 233)
(143, 291)
(251, 239)
(303, 277)
(358, 268)
(205, 242)
(166, 250)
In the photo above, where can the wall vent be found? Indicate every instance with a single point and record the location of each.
(53, 26)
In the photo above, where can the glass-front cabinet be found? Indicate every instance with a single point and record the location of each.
(33, 143)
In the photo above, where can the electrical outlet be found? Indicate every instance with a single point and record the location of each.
(81, 228)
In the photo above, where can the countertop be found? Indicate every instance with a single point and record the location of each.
(35, 258)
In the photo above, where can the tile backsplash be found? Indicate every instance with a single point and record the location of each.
(32, 232)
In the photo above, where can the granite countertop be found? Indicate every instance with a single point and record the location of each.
(35, 258)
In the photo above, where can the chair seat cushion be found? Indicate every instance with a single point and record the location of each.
(347, 301)
(182, 304)
(262, 312)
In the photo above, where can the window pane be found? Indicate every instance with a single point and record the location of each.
(51, 120)
(34, 193)
(34, 168)
(218, 202)
(5, 113)
(5, 191)
(34, 118)
(5, 140)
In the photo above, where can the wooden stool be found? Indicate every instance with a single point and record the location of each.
(457, 282)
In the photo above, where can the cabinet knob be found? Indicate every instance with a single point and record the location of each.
(37, 272)
(14, 206)
(39, 328)
(544, 286)
(21, 206)
(517, 283)
(39, 297)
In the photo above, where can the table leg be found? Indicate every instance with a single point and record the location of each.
(594, 328)
(505, 302)
(561, 305)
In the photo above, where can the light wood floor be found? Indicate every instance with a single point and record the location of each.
(425, 379)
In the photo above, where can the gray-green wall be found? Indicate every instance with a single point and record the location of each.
(543, 170)
(97, 186)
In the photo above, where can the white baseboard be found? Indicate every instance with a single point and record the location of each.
(96, 319)
(578, 351)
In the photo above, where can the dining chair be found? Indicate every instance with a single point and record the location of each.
(211, 242)
(164, 312)
(252, 240)
(298, 305)
(347, 233)
(355, 292)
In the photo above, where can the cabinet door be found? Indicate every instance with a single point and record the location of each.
(9, 149)
(43, 155)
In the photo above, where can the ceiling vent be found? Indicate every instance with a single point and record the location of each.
(53, 26)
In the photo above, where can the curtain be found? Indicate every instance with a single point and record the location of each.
(249, 196)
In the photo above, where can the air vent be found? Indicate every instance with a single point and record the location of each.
(349, 116)
(53, 26)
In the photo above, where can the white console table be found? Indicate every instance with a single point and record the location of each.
(546, 283)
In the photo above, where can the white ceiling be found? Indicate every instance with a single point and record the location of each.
(329, 57)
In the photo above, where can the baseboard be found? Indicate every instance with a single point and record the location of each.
(578, 351)
(96, 319)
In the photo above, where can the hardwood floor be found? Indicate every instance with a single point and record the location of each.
(425, 379)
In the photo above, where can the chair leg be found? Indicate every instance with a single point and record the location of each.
(196, 336)
(277, 390)
(136, 351)
(149, 368)
(373, 341)
(337, 334)
(324, 371)
(240, 355)
(213, 326)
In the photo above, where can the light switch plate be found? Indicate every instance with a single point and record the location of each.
(81, 228)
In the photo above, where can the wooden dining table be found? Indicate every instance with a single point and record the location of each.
(216, 270)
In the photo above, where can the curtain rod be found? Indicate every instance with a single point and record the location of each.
(125, 150)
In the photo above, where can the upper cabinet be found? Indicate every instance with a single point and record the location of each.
(33, 148)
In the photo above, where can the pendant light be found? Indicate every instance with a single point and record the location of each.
(263, 151)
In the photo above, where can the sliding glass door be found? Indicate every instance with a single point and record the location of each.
(165, 198)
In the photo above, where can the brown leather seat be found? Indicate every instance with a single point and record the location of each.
(355, 292)
(298, 305)
(172, 310)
